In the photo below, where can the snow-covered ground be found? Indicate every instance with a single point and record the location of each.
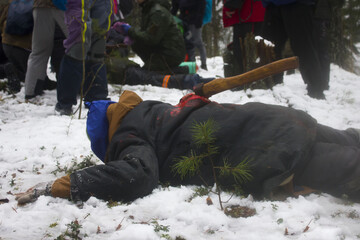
(35, 143)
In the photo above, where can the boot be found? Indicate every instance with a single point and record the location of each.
(49, 84)
(95, 87)
(38, 89)
(13, 79)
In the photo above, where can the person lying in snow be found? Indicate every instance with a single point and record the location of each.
(139, 141)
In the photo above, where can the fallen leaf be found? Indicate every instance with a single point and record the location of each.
(209, 201)
(118, 227)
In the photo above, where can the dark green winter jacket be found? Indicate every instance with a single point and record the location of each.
(148, 137)
(158, 41)
(153, 135)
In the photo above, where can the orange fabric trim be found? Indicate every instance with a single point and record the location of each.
(117, 111)
(166, 81)
(61, 187)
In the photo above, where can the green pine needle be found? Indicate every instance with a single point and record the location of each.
(187, 165)
(241, 172)
(203, 133)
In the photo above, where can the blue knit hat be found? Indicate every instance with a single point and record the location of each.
(97, 126)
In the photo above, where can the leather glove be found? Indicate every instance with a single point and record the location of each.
(32, 194)
(122, 28)
(60, 4)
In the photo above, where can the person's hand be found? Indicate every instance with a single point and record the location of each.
(32, 194)
(122, 28)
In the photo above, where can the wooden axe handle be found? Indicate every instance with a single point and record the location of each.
(222, 84)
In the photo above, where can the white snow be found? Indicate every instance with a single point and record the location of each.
(33, 140)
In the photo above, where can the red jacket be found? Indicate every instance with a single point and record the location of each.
(251, 11)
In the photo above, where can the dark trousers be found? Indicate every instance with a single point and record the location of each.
(296, 23)
(3, 58)
(18, 57)
(154, 60)
(334, 163)
(321, 29)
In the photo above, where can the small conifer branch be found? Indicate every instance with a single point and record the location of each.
(204, 138)
(187, 165)
(241, 172)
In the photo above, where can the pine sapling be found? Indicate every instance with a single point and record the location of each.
(203, 135)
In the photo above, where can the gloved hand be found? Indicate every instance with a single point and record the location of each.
(32, 194)
(60, 4)
(122, 28)
(128, 41)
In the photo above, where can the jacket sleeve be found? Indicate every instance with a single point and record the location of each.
(155, 30)
(130, 174)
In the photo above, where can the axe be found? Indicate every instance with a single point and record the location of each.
(222, 84)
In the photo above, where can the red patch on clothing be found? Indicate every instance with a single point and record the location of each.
(185, 100)
(188, 101)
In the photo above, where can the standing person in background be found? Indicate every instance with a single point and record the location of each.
(48, 23)
(294, 20)
(192, 13)
(158, 41)
(245, 17)
(87, 23)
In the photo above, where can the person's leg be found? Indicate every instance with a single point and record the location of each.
(77, 44)
(42, 45)
(273, 30)
(321, 33)
(199, 44)
(236, 48)
(298, 21)
(18, 57)
(58, 51)
(332, 168)
(348, 137)
(95, 87)
(60, 34)
(3, 58)
(15, 68)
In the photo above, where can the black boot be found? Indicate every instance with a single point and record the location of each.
(49, 84)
